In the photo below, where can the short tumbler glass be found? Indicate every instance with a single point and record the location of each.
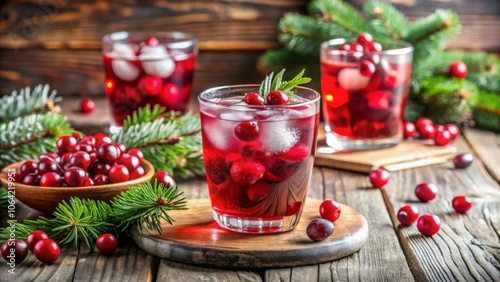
(258, 158)
(142, 69)
(364, 112)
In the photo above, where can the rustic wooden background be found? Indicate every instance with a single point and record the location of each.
(58, 41)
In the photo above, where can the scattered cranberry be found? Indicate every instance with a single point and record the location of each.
(458, 69)
(247, 131)
(366, 68)
(407, 215)
(118, 173)
(442, 138)
(50, 179)
(34, 237)
(409, 129)
(66, 144)
(330, 210)
(164, 178)
(421, 122)
(107, 244)
(438, 128)
(276, 97)
(46, 251)
(429, 224)
(379, 177)
(426, 191)
(87, 106)
(253, 98)
(461, 204)
(426, 132)
(463, 160)
(453, 130)
(319, 229)
(19, 253)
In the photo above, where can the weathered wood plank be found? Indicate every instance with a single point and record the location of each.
(466, 247)
(486, 145)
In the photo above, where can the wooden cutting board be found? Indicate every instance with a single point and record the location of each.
(195, 238)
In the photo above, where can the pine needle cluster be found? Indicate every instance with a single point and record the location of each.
(477, 98)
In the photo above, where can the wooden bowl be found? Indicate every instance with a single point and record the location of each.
(46, 199)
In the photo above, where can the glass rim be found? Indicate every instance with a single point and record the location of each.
(205, 101)
(405, 47)
(182, 39)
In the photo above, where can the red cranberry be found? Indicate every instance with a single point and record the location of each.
(152, 41)
(379, 177)
(463, 160)
(122, 147)
(429, 224)
(442, 138)
(108, 153)
(293, 208)
(365, 38)
(330, 210)
(66, 144)
(87, 106)
(93, 157)
(136, 152)
(366, 68)
(99, 167)
(107, 244)
(50, 156)
(246, 172)
(14, 251)
(150, 85)
(438, 128)
(276, 97)
(65, 158)
(80, 159)
(345, 47)
(77, 136)
(101, 138)
(50, 179)
(458, 69)
(247, 131)
(47, 165)
(461, 204)
(253, 98)
(426, 132)
(421, 122)
(407, 215)
(426, 191)
(453, 130)
(409, 129)
(118, 173)
(73, 176)
(87, 181)
(258, 191)
(34, 237)
(88, 140)
(47, 251)
(31, 179)
(138, 172)
(374, 47)
(356, 47)
(28, 167)
(164, 178)
(101, 179)
(319, 229)
(130, 161)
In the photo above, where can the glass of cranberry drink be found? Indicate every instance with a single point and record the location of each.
(147, 69)
(365, 89)
(258, 157)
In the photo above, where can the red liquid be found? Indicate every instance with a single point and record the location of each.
(360, 107)
(279, 159)
(172, 92)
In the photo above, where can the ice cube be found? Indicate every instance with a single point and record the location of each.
(156, 61)
(123, 51)
(278, 136)
(124, 69)
(221, 135)
(236, 116)
(351, 79)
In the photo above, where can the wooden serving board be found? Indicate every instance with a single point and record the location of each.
(195, 238)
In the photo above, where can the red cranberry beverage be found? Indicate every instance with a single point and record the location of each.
(144, 70)
(258, 150)
(365, 89)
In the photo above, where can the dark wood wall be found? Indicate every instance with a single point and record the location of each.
(58, 41)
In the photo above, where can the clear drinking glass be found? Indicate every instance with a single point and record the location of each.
(364, 112)
(258, 159)
(142, 69)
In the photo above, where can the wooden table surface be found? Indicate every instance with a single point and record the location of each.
(467, 248)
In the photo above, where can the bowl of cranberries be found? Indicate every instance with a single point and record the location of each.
(91, 167)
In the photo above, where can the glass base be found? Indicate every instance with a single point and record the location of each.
(256, 226)
(340, 143)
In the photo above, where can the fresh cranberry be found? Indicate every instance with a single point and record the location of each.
(19, 253)
(426, 191)
(461, 204)
(258, 191)
(66, 144)
(442, 138)
(130, 161)
(118, 173)
(247, 131)
(379, 177)
(296, 154)
(47, 251)
(438, 128)
(28, 167)
(93, 157)
(356, 47)
(47, 165)
(50, 156)
(87, 181)
(293, 208)
(458, 69)
(429, 224)
(77, 136)
(80, 159)
(152, 41)
(50, 179)
(99, 167)
(87, 106)
(165, 178)
(150, 85)
(85, 148)
(276, 97)
(136, 152)
(330, 210)
(421, 122)
(138, 172)
(253, 98)
(108, 153)
(73, 176)
(453, 130)
(100, 179)
(246, 172)
(65, 158)
(345, 47)
(31, 179)
(407, 215)
(463, 160)
(366, 68)
(409, 129)
(34, 237)
(319, 229)
(101, 138)
(426, 131)
(374, 47)
(364, 38)
(107, 244)
(122, 147)
(88, 140)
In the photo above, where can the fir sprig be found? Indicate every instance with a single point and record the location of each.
(275, 82)
(385, 20)
(4, 199)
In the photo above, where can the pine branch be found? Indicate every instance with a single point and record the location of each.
(339, 12)
(487, 111)
(146, 114)
(385, 20)
(4, 200)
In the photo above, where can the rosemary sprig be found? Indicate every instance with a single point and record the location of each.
(272, 82)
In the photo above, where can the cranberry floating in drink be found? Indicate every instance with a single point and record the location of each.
(365, 89)
(144, 70)
(258, 148)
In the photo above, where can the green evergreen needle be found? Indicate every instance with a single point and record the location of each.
(275, 82)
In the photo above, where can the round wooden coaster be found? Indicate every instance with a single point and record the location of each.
(195, 238)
